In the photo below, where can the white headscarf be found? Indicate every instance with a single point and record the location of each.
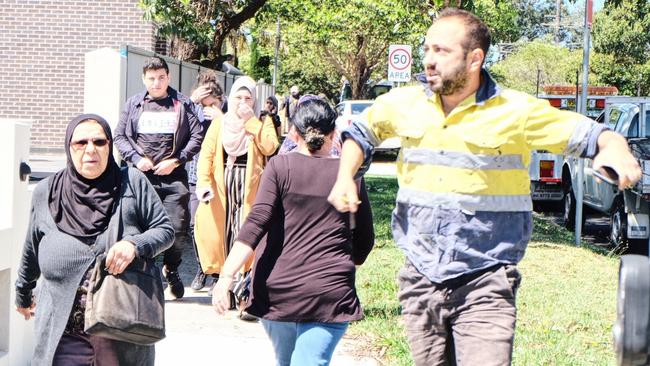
(234, 138)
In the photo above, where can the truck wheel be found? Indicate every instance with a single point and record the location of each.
(633, 304)
(618, 232)
(569, 209)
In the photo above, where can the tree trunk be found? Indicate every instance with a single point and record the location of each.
(229, 23)
(184, 50)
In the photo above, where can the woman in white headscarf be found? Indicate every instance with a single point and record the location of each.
(232, 158)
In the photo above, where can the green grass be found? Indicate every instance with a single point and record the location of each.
(566, 303)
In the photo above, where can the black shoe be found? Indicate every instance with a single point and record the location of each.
(211, 288)
(175, 284)
(199, 281)
(215, 279)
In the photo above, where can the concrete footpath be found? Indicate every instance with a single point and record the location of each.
(197, 335)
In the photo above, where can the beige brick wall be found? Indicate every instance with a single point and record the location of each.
(42, 47)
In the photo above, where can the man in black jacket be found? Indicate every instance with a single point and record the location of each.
(157, 133)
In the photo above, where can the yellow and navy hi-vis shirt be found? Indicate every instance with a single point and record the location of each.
(464, 192)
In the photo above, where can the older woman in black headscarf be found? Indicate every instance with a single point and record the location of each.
(67, 231)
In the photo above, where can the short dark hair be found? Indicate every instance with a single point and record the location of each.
(314, 119)
(154, 63)
(209, 79)
(478, 34)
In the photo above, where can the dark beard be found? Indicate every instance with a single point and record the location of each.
(456, 82)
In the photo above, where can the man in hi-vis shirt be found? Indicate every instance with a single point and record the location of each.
(463, 209)
(157, 133)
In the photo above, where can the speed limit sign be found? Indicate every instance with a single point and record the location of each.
(399, 63)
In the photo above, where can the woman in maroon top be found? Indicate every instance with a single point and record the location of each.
(303, 279)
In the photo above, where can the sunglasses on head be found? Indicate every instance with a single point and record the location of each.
(81, 144)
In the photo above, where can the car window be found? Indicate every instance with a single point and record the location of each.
(624, 120)
(633, 131)
(614, 115)
(358, 108)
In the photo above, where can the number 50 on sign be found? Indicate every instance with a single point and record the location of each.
(399, 63)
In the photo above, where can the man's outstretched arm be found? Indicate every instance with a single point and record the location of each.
(344, 196)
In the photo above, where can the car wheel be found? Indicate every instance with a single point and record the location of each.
(569, 216)
(618, 232)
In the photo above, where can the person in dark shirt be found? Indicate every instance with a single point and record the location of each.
(271, 110)
(157, 133)
(303, 285)
(290, 103)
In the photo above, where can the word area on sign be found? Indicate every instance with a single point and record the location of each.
(399, 75)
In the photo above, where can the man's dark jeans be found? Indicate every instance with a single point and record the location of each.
(174, 193)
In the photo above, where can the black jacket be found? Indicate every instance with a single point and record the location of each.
(187, 138)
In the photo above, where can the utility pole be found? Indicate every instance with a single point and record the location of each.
(558, 17)
(277, 48)
(583, 110)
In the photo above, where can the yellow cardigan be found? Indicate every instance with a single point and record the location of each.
(210, 219)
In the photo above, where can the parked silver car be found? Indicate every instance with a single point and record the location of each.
(351, 110)
(627, 210)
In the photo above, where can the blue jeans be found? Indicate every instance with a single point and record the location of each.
(304, 344)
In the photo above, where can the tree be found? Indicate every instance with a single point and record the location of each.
(629, 78)
(349, 37)
(537, 19)
(556, 64)
(621, 38)
(199, 28)
(617, 31)
(501, 18)
(258, 61)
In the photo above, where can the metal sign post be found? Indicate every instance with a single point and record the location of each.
(583, 110)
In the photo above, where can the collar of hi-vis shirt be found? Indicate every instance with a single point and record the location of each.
(488, 89)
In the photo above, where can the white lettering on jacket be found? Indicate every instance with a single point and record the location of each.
(157, 123)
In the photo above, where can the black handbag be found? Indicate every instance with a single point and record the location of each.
(128, 307)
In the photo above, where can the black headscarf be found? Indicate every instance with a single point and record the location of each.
(83, 207)
(274, 101)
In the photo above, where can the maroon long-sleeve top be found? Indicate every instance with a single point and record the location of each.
(305, 268)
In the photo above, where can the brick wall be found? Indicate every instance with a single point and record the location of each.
(42, 48)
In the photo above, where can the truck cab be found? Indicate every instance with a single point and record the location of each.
(546, 169)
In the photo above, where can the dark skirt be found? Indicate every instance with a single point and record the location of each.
(82, 349)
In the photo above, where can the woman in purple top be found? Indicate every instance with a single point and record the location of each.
(303, 279)
(289, 144)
